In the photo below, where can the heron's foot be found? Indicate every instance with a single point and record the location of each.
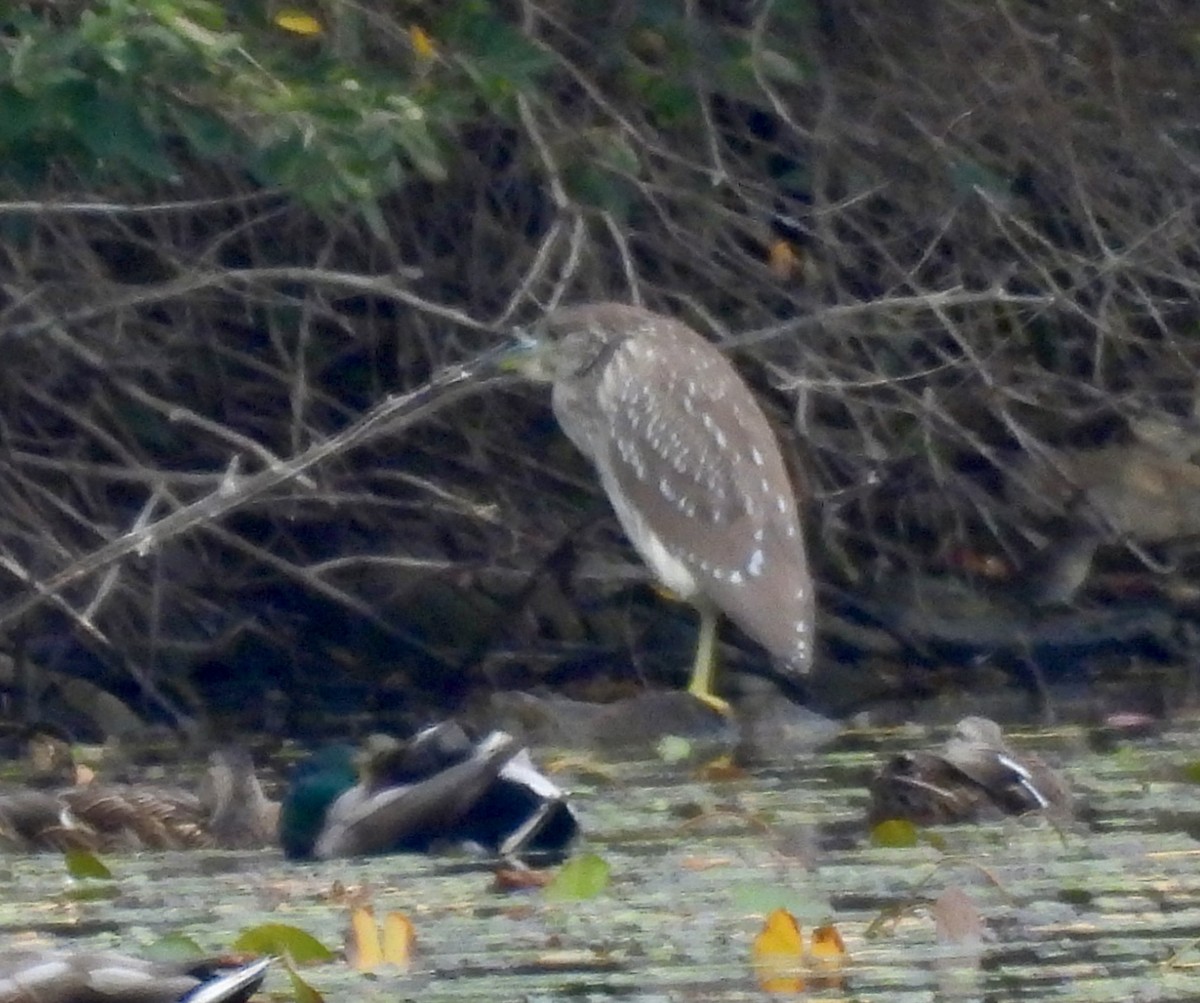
(706, 696)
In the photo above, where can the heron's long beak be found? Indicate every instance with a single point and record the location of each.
(526, 355)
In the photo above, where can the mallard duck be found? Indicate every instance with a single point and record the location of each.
(240, 815)
(975, 776)
(230, 810)
(31, 975)
(438, 788)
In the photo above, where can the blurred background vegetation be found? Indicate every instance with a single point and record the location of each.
(954, 245)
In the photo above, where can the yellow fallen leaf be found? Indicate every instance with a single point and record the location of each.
(827, 952)
(399, 939)
(363, 947)
(367, 950)
(298, 23)
(778, 954)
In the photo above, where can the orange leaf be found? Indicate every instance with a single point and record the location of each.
(363, 948)
(519, 879)
(784, 260)
(778, 954)
(723, 768)
(298, 23)
(421, 42)
(828, 950)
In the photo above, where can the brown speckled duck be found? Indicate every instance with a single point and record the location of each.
(976, 776)
(60, 809)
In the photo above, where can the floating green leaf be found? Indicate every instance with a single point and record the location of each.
(302, 992)
(280, 938)
(173, 947)
(582, 877)
(85, 865)
(895, 832)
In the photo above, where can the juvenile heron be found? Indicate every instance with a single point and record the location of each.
(691, 467)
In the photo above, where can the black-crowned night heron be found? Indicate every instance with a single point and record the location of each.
(691, 467)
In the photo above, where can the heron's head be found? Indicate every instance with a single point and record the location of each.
(531, 355)
(569, 342)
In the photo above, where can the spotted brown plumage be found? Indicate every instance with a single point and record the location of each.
(691, 466)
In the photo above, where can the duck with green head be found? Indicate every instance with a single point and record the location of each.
(438, 789)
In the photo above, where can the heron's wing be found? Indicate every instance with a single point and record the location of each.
(691, 448)
(697, 464)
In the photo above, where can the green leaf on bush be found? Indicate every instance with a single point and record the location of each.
(593, 185)
(21, 115)
(111, 127)
(207, 134)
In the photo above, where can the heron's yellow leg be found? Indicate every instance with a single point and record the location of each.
(704, 668)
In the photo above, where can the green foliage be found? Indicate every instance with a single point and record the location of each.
(490, 50)
(339, 105)
(132, 92)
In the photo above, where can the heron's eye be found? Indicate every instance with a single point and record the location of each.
(599, 359)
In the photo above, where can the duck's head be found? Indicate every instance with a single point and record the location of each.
(48, 757)
(316, 783)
